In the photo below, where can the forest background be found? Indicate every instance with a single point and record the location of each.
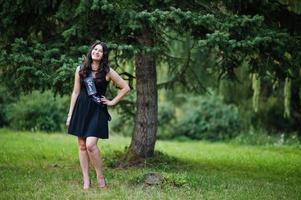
(214, 106)
(223, 70)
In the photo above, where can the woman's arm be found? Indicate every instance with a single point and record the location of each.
(121, 84)
(75, 93)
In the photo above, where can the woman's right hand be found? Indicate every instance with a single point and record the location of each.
(68, 121)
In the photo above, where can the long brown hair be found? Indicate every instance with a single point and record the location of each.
(103, 68)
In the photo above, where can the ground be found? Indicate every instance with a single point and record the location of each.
(45, 166)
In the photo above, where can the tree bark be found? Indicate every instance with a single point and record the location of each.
(296, 107)
(144, 136)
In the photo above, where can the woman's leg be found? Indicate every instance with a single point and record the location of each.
(94, 154)
(84, 161)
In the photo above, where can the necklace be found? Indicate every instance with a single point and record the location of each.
(94, 70)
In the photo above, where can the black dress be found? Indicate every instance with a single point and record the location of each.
(88, 117)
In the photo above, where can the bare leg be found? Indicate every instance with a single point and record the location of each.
(94, 154)
(84, 161)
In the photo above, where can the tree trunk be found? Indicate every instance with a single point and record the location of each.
(144, 136)
(296, 107)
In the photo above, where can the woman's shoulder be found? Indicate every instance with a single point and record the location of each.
(109, 74)
(78, 70)
(79, 67)
(111, 71)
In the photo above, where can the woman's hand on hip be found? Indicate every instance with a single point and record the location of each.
(106, 101)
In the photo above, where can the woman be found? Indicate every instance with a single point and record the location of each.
(87, 118)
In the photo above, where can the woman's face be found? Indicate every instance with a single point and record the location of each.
(97, 52)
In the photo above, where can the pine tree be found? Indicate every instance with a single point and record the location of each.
(44, 41)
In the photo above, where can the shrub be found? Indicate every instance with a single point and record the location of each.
(270, 117)
(6, 97)
(208, 117)
(38, 111)
(166, 120)
(121, 124)
(263, 137)
(123, 114)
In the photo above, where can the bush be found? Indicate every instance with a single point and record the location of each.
(166, 120)
(6, 97)
(123, 114)
(263, 137)
(270, 117)
(208, 117)
(38, 111)
(121, 124)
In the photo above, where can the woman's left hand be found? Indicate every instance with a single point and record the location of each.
(106, 101)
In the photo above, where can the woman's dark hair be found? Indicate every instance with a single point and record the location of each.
(103, 68)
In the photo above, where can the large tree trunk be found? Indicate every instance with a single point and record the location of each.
(144, 137)
(296, 107)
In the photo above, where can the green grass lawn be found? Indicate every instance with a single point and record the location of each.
(46, 166)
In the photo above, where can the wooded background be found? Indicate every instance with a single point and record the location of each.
(198, 69)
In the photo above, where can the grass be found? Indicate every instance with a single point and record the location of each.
(45, 166)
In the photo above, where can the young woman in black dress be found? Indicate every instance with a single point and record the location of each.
(87, 118)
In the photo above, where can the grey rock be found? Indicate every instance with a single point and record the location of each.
(153, 178)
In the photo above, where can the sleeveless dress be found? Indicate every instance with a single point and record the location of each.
(89, 118)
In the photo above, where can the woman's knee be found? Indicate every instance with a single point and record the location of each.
(82, 145)
(91, 144)
(91, 147)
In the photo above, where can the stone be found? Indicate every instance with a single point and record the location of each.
(153, 178)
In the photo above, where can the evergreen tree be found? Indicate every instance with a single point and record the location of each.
(44, 40)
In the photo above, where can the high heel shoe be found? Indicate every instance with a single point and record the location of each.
(102, 184)
(86, 187)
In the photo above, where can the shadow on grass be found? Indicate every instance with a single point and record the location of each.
(162, 162)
